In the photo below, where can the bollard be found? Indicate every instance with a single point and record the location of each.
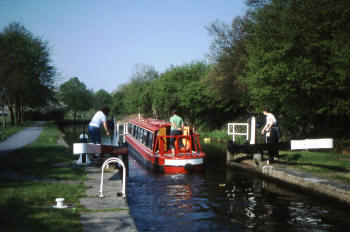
(59, 204)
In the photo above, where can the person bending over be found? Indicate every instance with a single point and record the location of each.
(100, 118)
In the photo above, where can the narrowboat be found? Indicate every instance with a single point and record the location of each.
(148, 140)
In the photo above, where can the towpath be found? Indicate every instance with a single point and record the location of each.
(110, 213)
(21, 139)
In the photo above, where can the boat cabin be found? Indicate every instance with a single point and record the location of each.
(155, 136)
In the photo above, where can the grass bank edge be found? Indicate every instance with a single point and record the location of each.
(330, 165)
(32, 201)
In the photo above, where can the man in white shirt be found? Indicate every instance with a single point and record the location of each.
(272, 132)
(99, 118)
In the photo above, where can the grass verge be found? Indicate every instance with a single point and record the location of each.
(326, 164)
(27, 205)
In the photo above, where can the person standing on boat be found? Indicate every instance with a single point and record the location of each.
(272, 132)
(177, 126)
(99, 118)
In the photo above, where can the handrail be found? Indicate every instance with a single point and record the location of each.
(110, 160)
(197, 149)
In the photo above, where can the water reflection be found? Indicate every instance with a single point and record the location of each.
(180, 194)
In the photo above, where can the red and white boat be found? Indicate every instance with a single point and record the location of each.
(148, 140)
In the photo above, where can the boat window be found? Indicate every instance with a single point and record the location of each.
(140, 135)
(144, 137)
(155, 140)
(136, 131)
(149, 139)
(131, 129)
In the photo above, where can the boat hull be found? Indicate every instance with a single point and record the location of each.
(166, 164)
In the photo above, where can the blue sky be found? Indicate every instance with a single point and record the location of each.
(101, 41)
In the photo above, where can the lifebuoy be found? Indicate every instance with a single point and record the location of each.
(187, 144)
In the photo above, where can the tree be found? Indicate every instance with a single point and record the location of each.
(102, 98)
(118, 97)
(75, 95)
(226, 54)
(138, 92)
(297, 63)
(24, 65)
(184, 88)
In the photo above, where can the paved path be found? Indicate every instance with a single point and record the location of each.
(107, 214)
(21, 139)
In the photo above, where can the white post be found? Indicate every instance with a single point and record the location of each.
(117, 136)
(115, 142)
(252, 130)
(125, 132)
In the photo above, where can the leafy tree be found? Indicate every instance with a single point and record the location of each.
(102, 98)
(75, 95)
(25, 65)
(226, 53)
(297, 62)
(184, 88)
(118, 96)
(138, 91)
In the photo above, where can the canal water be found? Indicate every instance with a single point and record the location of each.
(224, 200)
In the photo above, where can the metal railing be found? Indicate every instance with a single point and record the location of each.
(191, 145)
(233, 131)
(120, 130)
(108, 161)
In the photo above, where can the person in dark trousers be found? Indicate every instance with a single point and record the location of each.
(100, 118)
(177, 126)
(272, 132)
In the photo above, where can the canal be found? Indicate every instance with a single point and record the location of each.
(223, 200)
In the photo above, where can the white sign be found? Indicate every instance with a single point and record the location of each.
(311, 144)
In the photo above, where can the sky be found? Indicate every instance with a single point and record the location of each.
(102, 41)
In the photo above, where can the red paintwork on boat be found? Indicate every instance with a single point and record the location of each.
(192, 160)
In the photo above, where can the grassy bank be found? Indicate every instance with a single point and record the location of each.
(41, 168)
(329, 165)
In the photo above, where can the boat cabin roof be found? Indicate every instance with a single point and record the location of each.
(150, 123)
